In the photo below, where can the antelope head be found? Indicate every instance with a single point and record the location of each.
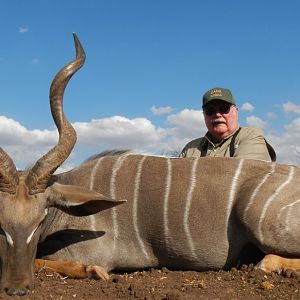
(25, 196)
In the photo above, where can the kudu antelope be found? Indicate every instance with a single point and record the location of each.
(187, 213)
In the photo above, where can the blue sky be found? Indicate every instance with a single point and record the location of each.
(148, 64)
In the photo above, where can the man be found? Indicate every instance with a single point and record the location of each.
(224, 137)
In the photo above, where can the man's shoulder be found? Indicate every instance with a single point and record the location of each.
(251, 131)
(194, 143)
(192, 148)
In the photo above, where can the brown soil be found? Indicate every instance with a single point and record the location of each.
(247, 283)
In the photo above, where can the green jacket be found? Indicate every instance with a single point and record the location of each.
(249, 143)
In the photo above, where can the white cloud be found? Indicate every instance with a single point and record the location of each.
(161, 110)
(182, 127)
(248, 107)
(294, 128)
(26, 146)
(189, 121)
(118, 131)
(290, 107)
(287, 144)
(253, 121)
(23, 29)
(13, 133)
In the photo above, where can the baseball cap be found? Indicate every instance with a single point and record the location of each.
(218, 93)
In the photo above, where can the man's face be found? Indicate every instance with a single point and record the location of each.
(221, 118)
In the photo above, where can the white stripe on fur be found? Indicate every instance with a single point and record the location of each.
(137, 182)
(270, 200)
(193, 177)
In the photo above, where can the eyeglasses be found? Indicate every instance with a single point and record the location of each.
(211, 110)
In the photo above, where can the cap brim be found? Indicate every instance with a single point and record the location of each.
(211, 100)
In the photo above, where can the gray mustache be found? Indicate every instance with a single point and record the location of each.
(217, 121)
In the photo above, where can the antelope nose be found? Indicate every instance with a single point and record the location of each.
(16, 291)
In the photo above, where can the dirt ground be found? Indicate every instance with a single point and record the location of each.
(247, 283)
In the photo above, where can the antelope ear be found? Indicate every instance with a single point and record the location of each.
(78, 200)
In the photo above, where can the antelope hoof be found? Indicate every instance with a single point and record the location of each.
(96, 272)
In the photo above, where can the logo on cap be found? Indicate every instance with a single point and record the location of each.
(216, 93)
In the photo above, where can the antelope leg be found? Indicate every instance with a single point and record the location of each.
(72, 269)
(272, 262)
